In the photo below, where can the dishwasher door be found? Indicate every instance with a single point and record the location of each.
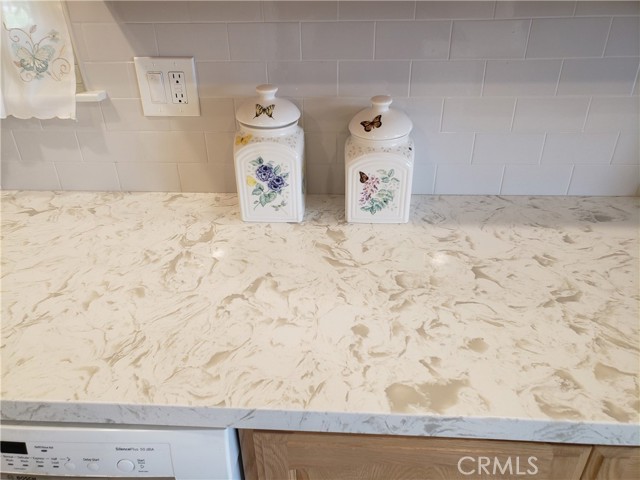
(74, 452)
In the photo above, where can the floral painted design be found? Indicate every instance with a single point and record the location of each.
(35, 59)
(268, 181)
(377, 191)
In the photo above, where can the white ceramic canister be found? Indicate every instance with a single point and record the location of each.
(379, 158)
(268, 156)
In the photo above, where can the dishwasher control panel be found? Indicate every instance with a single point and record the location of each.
(87, 459)
(78, 451)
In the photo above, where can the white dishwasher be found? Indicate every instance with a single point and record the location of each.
(75, 452)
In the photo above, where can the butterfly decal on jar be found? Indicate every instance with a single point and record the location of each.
(243, 139)
(268, 111)
(375, 123)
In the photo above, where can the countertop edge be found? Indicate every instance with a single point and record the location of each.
(578, 432)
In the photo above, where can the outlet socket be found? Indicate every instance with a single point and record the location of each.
(167, 86)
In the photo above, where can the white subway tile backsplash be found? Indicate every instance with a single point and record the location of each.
(110, 146)
(172, 147)
(117, 78)
(424, 176)
(447, 78)
(460, 10)
(220, 147)
(229, 79)
(533, 9)
(29, 175)
(608, 8)
(376, 10)
(306, 11)
(229, 11)
(47, 146)
(492, 88)
(216, 115)
(412, 40)
(148, 177)
(264, 41)
(207, 177)
(627, 150)
(331, 114)
(111, 42)
(203, 41)
(337, 40)
(303, 79)
(550, 114)
(325, 178)
(426, 113)
(507, 148)
(9, 152)
(88, 176)
(578, 148)
(89, 11)
(489, 38)
(567, 37)
(126, 114)
(321, 148)
(371, 78)
(468, 179)
(521, 77)
(536, 179)
(444, 148)
(612, 114)
(149, 11)
(477, 114)
(598, 76)
(88, 117)
(624, 38)
(605, 180)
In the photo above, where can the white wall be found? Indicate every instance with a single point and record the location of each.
(506, 97)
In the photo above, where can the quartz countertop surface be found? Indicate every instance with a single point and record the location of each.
(483, 317)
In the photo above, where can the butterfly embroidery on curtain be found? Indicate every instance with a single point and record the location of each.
(375, 123)
(268, 111)
(35, 59)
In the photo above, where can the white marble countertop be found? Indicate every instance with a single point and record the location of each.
(484, 317)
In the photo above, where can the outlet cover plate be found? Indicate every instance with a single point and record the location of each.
(164, 65)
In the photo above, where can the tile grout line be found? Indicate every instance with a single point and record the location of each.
(615, 147)
(526, 45)
(555, 93)
(573, 168)
(450, 40)
(606, 42)
(586, 115)
(544, 144)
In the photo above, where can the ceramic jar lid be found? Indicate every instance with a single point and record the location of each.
(267, 111)
(379, 122)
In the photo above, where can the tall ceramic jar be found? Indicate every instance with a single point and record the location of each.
(269, 159)
(379, 159)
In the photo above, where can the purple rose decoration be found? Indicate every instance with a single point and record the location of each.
(264, 172)
(276, 183)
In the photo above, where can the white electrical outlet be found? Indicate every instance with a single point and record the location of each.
(167, 86)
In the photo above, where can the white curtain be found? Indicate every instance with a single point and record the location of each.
(38, 73)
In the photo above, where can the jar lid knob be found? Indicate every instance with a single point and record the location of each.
(381, 102)
(267, 91)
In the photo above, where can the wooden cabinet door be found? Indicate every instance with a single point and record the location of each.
(613, 463)
(326, 456)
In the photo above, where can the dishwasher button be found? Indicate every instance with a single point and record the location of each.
(94, 467)
(70, 466)
(126, 466)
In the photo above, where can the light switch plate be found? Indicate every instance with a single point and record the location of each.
(159, 97)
